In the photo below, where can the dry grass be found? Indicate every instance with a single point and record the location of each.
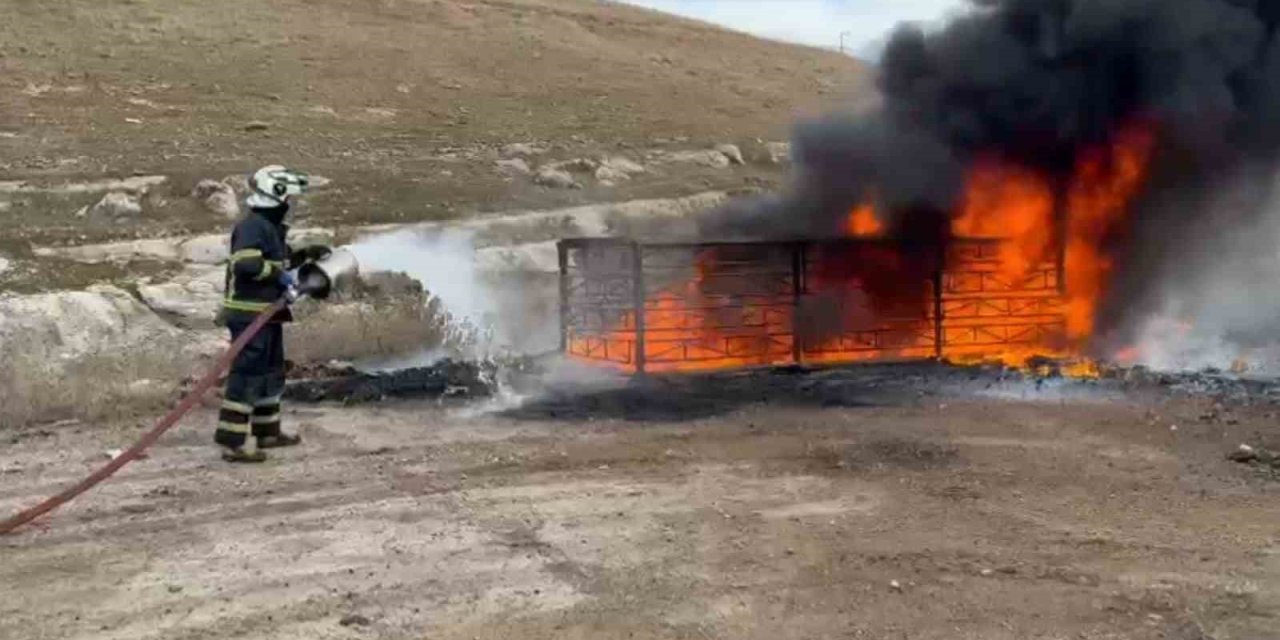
(380, 315)
(119, 384)
(364, 330)
(107, 386)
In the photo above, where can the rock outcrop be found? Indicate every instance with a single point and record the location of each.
(707, 158)
(575, 165)
(117, 252)
(514, 167)
(732, 152)
(555, 179)
(204, 249)
(136, 185)
(520, 150)
(65, 325)
(207, 249)
(217, 197)
(779, 152)
(116, 205)
(617, 169)
(190, 300)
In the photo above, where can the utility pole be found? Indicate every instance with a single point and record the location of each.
(843, 35)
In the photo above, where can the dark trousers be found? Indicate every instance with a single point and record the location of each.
(251, 402)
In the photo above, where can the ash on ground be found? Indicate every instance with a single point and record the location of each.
(349, 385)
(555, 388)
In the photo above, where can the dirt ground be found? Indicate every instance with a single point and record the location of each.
(860, 503)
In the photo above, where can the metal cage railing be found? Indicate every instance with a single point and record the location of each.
(654, 307)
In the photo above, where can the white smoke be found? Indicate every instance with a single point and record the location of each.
(1167, 343)
(503, 312)
(1228, 316)
(442, 260)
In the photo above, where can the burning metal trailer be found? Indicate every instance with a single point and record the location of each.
(685, 307)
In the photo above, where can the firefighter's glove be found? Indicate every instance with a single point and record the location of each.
(314, 253)
(289, 282)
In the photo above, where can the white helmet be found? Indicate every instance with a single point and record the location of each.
(272, 185)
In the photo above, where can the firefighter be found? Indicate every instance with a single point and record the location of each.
(258, 274)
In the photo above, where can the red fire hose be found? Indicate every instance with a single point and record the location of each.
(148, 439)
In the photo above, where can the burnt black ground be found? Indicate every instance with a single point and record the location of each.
(602, 393)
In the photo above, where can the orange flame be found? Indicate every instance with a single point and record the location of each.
(1050, 231)
(863, 222)
(1009, 202)
(1127, 356)
(1106, 181)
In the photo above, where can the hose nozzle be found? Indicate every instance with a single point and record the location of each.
(319, 279)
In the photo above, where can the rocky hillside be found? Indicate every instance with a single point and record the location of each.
(397, 100)
(127, 126)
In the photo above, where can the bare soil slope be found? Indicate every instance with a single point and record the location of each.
(389, 97)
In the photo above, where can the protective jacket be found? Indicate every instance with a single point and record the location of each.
(259, 255)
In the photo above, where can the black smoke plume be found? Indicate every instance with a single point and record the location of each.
(1036, 82)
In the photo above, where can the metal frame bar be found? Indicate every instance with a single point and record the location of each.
(798, 287)
(638, 294)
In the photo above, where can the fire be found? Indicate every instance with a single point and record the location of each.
(1046, 264)
(1017, 204)
(686, 329)
(1009, 202)
(863, 222)
(1127, 356)
(685, 332)
(1082, 369)
(1106, 181)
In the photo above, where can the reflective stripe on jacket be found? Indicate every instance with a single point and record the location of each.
(258, 256)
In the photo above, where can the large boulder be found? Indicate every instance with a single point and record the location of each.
(136, 185)
(555, 179)
(208, 249)
(514, 167)
(238, 183)
(116, 205)
(575, 165)
(192, 298)
(732, 152)
(609, 176)
(623, 165)
(216, 248)
(520, 150)
(617, 169)
(65, 325)
(117, 252)
(706, 158)
(779, 152)
(217, 197)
